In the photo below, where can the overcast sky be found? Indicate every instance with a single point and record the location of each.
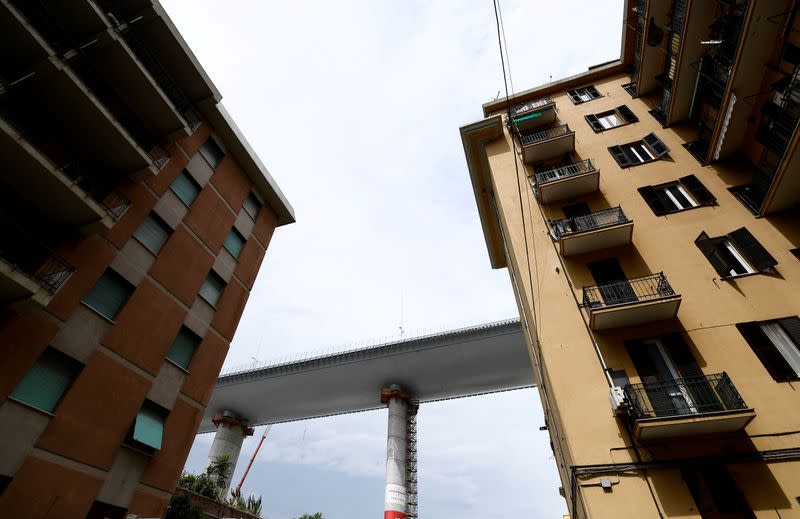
(354, 106)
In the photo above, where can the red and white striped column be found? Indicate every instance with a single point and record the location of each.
(395, 499)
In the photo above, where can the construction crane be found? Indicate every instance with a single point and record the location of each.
(239, 486)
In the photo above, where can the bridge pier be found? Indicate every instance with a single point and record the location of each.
(396, 499)
(231, 432)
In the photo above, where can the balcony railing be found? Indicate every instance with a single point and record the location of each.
(589, 222)
(530, 105)
(545, 135)
(683, 397)
(562, 172)
(652, 287)
(24, 253)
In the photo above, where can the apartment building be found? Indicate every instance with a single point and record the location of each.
(135, 217)
(647, 212)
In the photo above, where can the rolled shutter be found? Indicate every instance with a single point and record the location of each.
(653, 200)
(627, 114)
(594, 123)
(659, 148)
(709, 250)
(766, 352)
(755, 253)
(698, 190)
(574, 97)
(47, 380)
(619, 155)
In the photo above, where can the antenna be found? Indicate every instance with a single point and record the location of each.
(402, 332)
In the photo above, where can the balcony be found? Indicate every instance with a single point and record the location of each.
(547, 144)
(630, 302)
(702, 405)
(566, 181)
(85, 201)
(28, 269)
(592, 232)
(533, 114)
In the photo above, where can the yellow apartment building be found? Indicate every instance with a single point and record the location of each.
(647, 212)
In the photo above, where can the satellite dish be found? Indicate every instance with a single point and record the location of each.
(655, 34)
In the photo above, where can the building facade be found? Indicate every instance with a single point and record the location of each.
(135, 219)
(647, 212)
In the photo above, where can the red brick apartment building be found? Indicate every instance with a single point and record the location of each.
(135, 217)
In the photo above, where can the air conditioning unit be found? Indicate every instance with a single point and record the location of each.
(617, 397)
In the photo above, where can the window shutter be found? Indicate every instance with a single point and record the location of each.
(792, 327)
(593, 91)
(627, 114)
(183, 348)
(185, 187)
(700, 493)
(645, 368)
(153, 233)
(698, 190)
(766, 352)
(659, 148)
(109, 294)
(653, 200)
(701, 392)
(619, 155)
(755, 253)
(47, 380)
(574, 97)
(148, 428)
(594, 123)
(709, 250)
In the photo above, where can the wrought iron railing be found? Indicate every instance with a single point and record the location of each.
(34, 259)
(642, 289)
(588, 222)
(683, 396)
(562, 172)
(530, 105)
(545, 135)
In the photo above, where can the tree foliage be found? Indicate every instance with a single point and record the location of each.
(181, 508)
(314, 516)
(249, 504)
(212, 483)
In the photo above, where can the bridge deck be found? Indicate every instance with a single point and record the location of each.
(469, 361)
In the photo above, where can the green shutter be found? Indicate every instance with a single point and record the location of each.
(47, 381)
(183, 348)
(212, 288)
(109, 294)
(185, 187)
(149, 427)
(234, 243)
(152, 233)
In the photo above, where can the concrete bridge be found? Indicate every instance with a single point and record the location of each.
(402, 375)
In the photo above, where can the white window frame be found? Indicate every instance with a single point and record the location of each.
(692, 202)
(736, 254)
(782, 343)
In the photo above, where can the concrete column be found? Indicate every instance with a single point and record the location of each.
(395, 498)
(228, 439)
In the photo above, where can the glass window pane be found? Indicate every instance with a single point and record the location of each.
(252, 205)
(152, 233)
(212, 288)
(183, 348)
(109, 294)
(47, 381)
(185, 187)
(234, 243)
(211, 151)
(149, 427)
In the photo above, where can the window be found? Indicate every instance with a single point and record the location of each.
(212, 288)
(185, 187)
(211, 151)
(582, 95)
(183, 348)
(776, 344)
(630, 88)
(685, 193)
(46, 382)
(234, 243)
(252, 205)
(153, 233)
(715, 492)
(109, 294)
(147, 432)
(736, 254)
(648, 149)
(619, 116)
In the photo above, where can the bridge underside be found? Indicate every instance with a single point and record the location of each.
(469, 361)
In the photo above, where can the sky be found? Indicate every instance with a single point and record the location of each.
(354, 106)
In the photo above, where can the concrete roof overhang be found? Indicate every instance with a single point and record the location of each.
(465, 362)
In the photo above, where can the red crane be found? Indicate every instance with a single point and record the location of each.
(266, 430)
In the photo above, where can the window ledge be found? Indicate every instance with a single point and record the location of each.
(209, 303)
(140, 242)
(688, 209)
(737, 276)
(31, 406)
(97, 312)
(186, 371)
